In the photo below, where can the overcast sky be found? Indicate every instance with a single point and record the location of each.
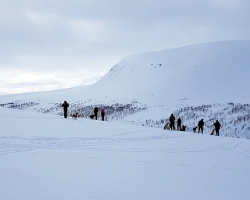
(53, 44)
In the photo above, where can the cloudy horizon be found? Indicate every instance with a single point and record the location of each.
(56, 44)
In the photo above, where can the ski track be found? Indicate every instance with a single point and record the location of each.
(243, 152)
(11, 145)
(236, 147)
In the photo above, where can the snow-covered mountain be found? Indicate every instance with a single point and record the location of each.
(208, 80)
(49, 157)
(210, 71)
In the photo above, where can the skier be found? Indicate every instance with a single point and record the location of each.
(171, 120)
(200, 126)
(65, 106)
(95, 112)
(103, 114)
(179, 124)
(217, 127)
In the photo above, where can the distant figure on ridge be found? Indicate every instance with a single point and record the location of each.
(95, 112)
(171, 120)
(65, 106)
(179, 124)
(200, 126)
(102, 114)
(217, 127)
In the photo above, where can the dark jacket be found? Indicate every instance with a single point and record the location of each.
(179, 121)
(217, 125)
(96, 110)
(171, 119)
(201, 123)
(65, 105)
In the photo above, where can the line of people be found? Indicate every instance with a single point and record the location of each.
(168, 126)
(171, 126)
(65, 106)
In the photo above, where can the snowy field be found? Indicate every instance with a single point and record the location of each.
(49, 157)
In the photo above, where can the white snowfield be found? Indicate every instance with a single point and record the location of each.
(46, 157)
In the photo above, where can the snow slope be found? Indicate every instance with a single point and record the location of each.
(150, 86)
(49, 157)
(213, 71)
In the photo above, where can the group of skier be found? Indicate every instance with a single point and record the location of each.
(65, 106)
(171, 126)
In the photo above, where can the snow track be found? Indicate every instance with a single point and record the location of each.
(54, 158)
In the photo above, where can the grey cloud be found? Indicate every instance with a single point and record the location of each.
(63, 34)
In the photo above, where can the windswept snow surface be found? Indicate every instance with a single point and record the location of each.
(49, 157)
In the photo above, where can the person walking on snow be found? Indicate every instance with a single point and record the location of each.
(200, 126)
(95, 112)
(171, 121)
(103, 114)
(217, 127)
(179, 124)
(65, 106)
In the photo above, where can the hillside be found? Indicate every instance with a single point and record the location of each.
(146, 88)
(210, 71)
